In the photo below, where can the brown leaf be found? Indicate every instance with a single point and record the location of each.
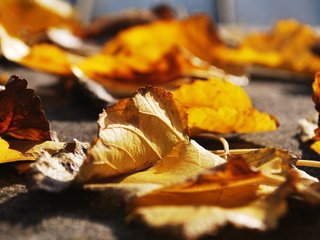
(222, 107)
(21, 114)
(135, 133)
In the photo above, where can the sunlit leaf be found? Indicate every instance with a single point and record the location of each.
(279, 48)
(21, 114)
(48, 58)
(26, 150)
(29, 20)
(222, 107)
(136, 133)
(177, 49)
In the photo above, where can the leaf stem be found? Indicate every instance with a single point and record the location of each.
(226, 150)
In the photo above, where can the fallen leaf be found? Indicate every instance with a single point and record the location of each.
(29, 20)
(185, 160)
(135, 133)
(21, 114)
(177, 49)
(219, 106)
(26, 150)
(55, 169)
(226, 194)
(279, 48)
(48, 58)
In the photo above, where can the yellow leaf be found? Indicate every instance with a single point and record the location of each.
(26, 150)
(134, 59)
(279, 48)
(222, 107)
(185, 160)
(48, 58)
(7, 154)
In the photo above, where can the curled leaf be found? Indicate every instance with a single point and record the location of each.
(55, 170)
(21, 114)
(135, 133)
(222, 107)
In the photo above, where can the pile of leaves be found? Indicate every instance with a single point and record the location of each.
(143, 153)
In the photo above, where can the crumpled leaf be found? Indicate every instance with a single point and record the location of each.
(54, 170)
(222, 107)
(226, 194)
(21, 114)
(136, 133)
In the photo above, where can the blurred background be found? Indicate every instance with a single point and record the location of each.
(244, 12)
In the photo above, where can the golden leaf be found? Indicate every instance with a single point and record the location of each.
(132, 59)
(185, 160)
(26, 150)
(48, 58)
(220, 106)
(29, 20)
(279, 48)
(226, 194)
(136, 133)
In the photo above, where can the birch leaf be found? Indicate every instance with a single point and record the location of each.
(222, 107)
(21, 114)
(135, 133)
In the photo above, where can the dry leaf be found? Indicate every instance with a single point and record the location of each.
(29, 20)
(279, 48)
(26, 150)
(21, 114)
(133, 59)
(55, 169)
(222, 107)
(126, 72)
(135, 133)
(201, 206)
(47, 57)
(185, 160)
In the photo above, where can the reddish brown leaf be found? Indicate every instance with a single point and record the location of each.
(21, 113)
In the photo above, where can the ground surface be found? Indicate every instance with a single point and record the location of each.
(78, 214)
